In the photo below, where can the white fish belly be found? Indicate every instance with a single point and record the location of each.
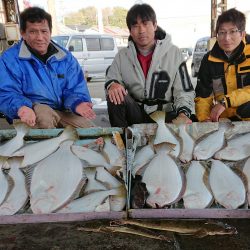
(164, 181)
(206, 148)
(197, 195)
(87, 203)
(187, 148)
(4, 186)
(54, 181)
(18, 196)
(237, 149)
(227, 187)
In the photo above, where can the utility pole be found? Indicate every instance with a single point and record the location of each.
(215, 10)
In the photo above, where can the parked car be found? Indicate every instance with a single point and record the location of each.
(185, 54)
(95, 53)
(200, 49)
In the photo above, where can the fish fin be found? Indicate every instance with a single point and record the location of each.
(21, 127)
(69, 133)
(164, 146)
(28, 172)
(118, 140)
(11, 184)
(106, 157)
(158, 116)
(242, 176)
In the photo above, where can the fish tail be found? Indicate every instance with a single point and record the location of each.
(120, 191)
(158, 116)
(69, 133)
(21, 128)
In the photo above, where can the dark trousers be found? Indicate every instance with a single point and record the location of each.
(130, 112)
(243, 110)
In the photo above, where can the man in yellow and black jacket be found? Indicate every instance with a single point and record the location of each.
(223, 84)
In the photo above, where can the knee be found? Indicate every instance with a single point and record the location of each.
(244, 110)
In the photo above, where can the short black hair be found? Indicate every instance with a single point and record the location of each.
(34, 15)
(234, 16)
(143, 11)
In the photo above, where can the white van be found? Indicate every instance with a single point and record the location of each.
(95, 53)
(202, 46)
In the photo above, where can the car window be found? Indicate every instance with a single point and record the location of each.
(93, 44)
(76, 43)
(61, 40)
(107, 44)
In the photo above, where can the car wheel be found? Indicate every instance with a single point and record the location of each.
(193, 73)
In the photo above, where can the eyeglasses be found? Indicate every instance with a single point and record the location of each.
(231, 33)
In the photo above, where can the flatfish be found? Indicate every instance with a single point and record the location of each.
(197, 194)
(142, 157)
(164, 134)
(112, 153)
(117, 202)
(208, 145)
(165, 181)
(236, 149)
(92, 157)
(246, 171)
(93, 185)
(187, 144)
(88, 203)
(9, 147)
(104, 207)
(107, 179)
(56, 180)
(18, 196)
(6, 182)
(227, 187)
(37, 151)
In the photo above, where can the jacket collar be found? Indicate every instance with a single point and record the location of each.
(25, 53)
(238, 56)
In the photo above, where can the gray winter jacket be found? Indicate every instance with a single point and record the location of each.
(126, 70)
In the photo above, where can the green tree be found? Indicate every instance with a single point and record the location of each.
(118, 18)
(88, 17)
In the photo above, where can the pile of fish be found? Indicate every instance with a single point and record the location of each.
(175, 168)
(56, 175)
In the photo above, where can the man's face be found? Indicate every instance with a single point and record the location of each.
(37, 36)
(229, 37)
(143, 33)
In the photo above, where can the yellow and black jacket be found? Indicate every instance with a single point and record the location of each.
(225, 78)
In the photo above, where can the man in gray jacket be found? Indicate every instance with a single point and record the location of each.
(148, 75)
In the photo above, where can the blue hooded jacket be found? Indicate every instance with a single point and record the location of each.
(25, 80)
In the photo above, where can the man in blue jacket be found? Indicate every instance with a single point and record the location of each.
(41, 83)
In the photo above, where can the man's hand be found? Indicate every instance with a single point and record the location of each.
(181, 119)
(216, 111)
(85, 110)
(27, 115)
(116, 93)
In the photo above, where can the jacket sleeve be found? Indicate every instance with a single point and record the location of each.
(238, 97)
(183, 91)
(76, 90)
(113, 73)
(204, 92)
(11, 95)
